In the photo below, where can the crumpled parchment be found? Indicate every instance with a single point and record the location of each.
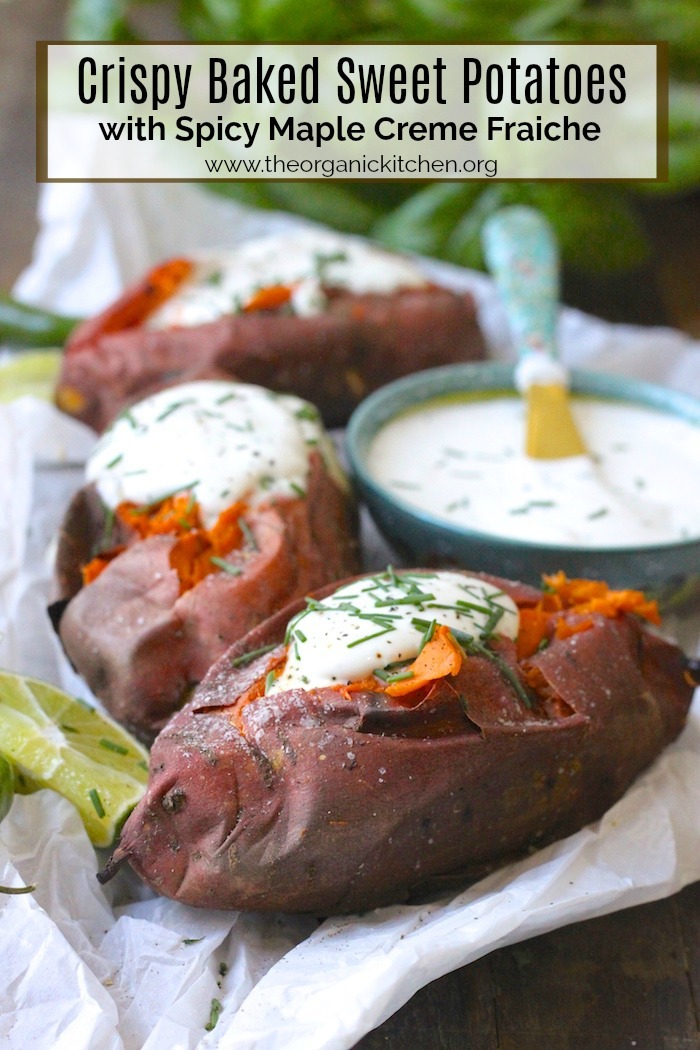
(86, 966)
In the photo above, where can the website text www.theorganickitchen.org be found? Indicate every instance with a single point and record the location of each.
(328, 167)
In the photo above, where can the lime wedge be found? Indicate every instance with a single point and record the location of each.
(7, 787)
(32, 372)
(54, 740)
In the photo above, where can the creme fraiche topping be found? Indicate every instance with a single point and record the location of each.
(308, 263)
(379, 623)
(219, 441)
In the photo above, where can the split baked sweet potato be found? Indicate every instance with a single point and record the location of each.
(343, 797)
(150, 595)
(332, 354)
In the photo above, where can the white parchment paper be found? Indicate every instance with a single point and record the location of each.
(114, 967)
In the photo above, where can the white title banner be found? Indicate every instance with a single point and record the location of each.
(350, 111)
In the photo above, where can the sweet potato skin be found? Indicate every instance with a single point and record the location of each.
(141, 645)
(321, 803)
(333, 359)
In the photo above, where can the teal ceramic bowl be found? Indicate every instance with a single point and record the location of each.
(671, 568)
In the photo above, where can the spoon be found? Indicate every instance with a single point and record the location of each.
(522, 255)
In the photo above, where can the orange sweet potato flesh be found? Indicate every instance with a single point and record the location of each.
(333, 360)
(330, 801)
(142, 640)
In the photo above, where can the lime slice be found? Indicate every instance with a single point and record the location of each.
(29, 372)
(54, 740)
(7, 787)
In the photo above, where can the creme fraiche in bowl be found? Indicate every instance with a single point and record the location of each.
(439, 459)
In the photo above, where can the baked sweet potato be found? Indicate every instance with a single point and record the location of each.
(144, 620)
(339, 798)
(350, 346)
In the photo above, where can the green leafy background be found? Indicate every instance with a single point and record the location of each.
(598, 224)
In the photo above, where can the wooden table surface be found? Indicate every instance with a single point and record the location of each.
(629, 980)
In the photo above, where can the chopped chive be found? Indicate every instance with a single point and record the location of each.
(214, 278)
(396, 664)
(300, 635)
(400, 676)
(17, 889)
(129, 417)
(474, 648)
(427, 635)
(233, 396)
(111, 745)
(308, 412)
(223, 969)
(417, 598)
(248, 533)
(173, 408)
(214, 1014)
(382, 675)
(68, 729)
(113, 462)
(598, 514)
(298, 489)
(368, 637)
(110, 519)
(247, 658)
(492, 622)
(145, 508)
(225, 566)
(192, 940)
(97, 802)
(270, 679)
(142, 764)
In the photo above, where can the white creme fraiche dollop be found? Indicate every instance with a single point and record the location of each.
(223, 282)
(220, 441)
(463, 462)
(377, 620)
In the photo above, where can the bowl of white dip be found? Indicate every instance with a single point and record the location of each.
(439, 459)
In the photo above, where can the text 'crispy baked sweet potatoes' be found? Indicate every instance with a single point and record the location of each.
(335, 798)
(332, 348)
(153, 597)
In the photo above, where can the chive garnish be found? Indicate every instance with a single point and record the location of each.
(129, 417)
(225, 566)
(400, 676)
(110, 519)
(368, 637)
(307, 412)
(113, 462)
(111, 745)
(472, 647)
(192, 940)
(417, 598)
(145, 508)
(298, 489)
(97, 802)
(68, 729)
(270, 679)
(247, 658)
(214, 1014)
(248, 534)
(427, 635)
(174, 407)
(17, 889)
(598, 513)
(300, 635)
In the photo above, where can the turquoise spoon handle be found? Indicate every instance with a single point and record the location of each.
(521, 253)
